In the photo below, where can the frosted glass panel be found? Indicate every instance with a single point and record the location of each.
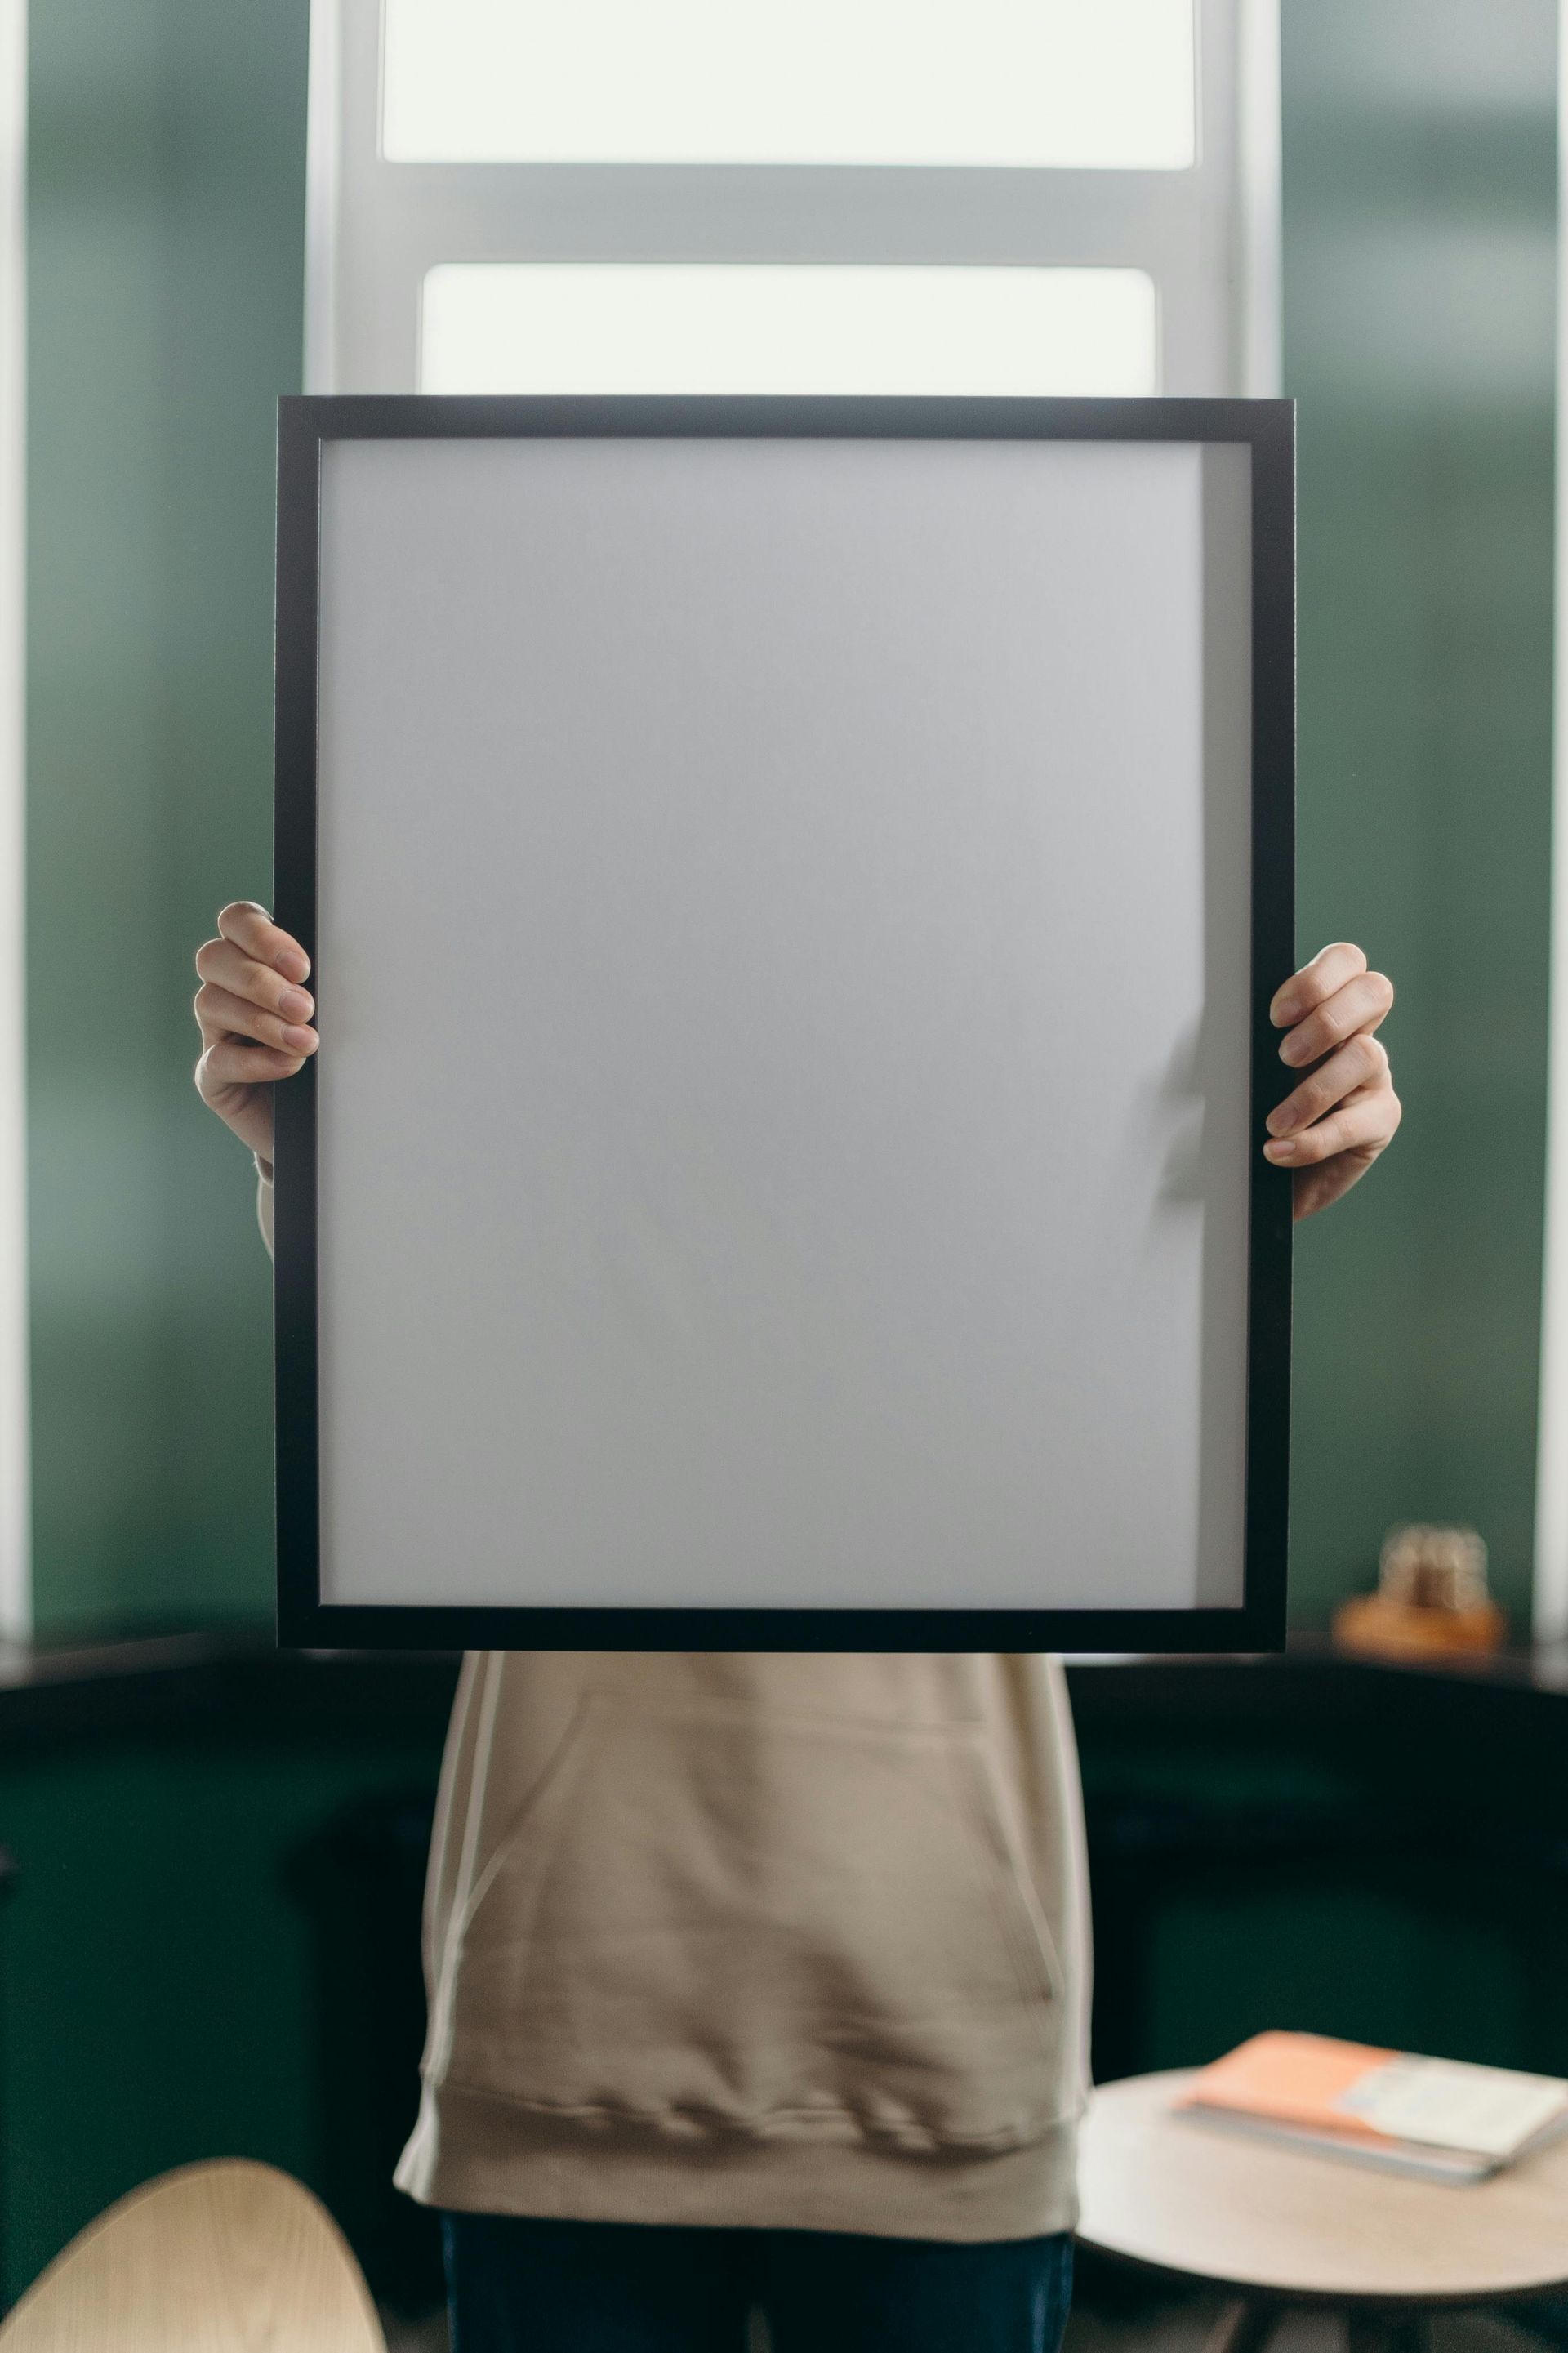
(1095, 84)
(707, 328)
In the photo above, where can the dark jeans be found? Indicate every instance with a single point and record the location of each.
(625, 2287)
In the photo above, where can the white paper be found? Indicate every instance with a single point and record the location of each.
(784, 970)
(1452, 2104)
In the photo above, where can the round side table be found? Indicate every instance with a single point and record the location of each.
(1279, 2227)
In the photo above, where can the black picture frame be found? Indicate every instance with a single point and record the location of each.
(1267, 427)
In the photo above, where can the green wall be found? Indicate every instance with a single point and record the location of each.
(1420, 193)
(166, 204)
(165, 242)
(162, 1982)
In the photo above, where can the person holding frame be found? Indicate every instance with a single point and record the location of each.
(761, 1981)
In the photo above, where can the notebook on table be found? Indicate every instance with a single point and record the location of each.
(1441, 2119)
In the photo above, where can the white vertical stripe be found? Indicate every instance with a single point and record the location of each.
(15, 1576)
(321, 171)
(1258, 211)
(1550, 1587)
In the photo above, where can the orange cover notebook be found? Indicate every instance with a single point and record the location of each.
(1292, 2079)
(1444, 2118)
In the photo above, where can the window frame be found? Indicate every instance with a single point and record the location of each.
(1207, 234)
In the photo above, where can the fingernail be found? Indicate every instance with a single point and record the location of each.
(1282, 1010)
(1279, 1123)
(1292, 1051)
(292, 963)
(295, 1005)
(1286, 1151)
(300, 1041)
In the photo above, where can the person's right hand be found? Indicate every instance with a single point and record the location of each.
(254, 1018)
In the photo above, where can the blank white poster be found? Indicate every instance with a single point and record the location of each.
(783, 957)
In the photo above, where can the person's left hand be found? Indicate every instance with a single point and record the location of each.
(1331, 1128)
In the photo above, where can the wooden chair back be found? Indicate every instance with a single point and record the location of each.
(221, 2258)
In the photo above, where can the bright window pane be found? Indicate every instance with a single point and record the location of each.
(1091, 83)
(554, 327)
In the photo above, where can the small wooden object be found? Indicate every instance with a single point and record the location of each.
(1431, 1598)
(220, 2258)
